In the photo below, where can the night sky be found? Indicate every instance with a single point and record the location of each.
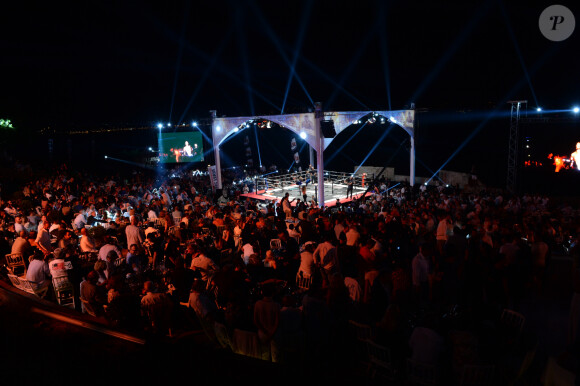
(88, 64)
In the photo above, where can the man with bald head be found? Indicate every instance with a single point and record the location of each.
(134, 234)
(87, 244)
(21, 244)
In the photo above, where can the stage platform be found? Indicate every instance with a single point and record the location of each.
(332, 192)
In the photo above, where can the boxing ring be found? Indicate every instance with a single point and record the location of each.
(308, 126)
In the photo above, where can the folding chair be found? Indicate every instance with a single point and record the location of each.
(16, 264)
(360, 334)
(64, 291)
(23, 284)
(513, 320)
(380, 361)
(421, 374)
(303, 283)
(477, 375)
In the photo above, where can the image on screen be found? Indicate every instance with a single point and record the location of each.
(180, 147)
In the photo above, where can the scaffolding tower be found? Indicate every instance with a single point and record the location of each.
(513, 149)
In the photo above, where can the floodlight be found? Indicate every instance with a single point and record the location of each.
(539, 109)
(160, 126)
(576, 110)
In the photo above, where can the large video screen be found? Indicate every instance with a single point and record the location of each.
(180, 147)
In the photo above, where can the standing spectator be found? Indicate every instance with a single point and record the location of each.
(266, 316)
(134, 234)
(43, 238)
(421, 268)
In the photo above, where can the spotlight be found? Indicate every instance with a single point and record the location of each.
(303, 135)
(425, 184)
(576, 110)
(106, 157)
(539, 109)
(382, 119)
(218, 128)
(194, 124)
(160, 126)
(392, 119)
(150, 149)
(169, 125)
(236, 130)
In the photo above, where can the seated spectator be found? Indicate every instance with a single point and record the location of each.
(38, 273)
(203, 264)
(135, 260)
(107, 247)
(22, 245)
(87, 244)
(156, 307)
(199, 300)
(93, 295)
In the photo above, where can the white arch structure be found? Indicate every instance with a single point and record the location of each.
(308, 124)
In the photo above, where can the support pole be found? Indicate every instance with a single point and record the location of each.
(216, 152)
(412, 166)
(512, 172)
(318, 116)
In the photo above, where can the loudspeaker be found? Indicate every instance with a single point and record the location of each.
(327, 128)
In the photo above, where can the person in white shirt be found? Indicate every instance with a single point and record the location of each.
(307, 259)
(151, 215)
(203, 264)
(420, 271)
(18, 226)
(43, 238)
(87, 244)
(80, 221)
(106, 248)
(352, 235)
(133, 234)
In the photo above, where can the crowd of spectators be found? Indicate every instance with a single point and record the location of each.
(415, 264)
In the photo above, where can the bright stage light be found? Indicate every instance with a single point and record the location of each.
(150, 149)
(576, 110)
(106, 157)
(218, 128)
(392, 119)
(194, 124)
(539, 109)
(236, 129)
(159, 126)
(169, 125)
(303, 135)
